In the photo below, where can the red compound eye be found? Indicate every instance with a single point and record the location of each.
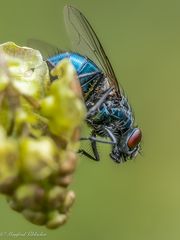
(134, 139)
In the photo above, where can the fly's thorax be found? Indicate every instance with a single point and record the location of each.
(128, 137)
(119, 112)
(114, 111)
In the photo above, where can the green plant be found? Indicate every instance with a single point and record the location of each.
(39, 134)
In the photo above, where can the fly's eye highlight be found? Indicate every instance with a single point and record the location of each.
(134, 138)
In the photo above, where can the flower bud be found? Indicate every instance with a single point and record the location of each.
(55, 219)
(55, 197)
(40, 158)
(68, 202)
(30, 196)
(35, 217)
(9, 164)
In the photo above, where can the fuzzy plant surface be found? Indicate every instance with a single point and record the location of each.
(39, 134)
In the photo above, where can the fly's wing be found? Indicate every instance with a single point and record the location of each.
(86, 42)
(46, 49)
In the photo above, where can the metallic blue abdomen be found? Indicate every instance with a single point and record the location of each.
(89, 76)
(87, 71)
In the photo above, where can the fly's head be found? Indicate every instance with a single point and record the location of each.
(128, 145)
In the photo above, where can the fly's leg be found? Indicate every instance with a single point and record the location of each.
(92, 138)
(82, 151)
(94, 148)
(110, 135)
(85, 153)
(94, 141)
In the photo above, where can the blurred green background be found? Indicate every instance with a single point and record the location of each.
(139, 199)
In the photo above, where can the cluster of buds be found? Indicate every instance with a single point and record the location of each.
(39, 134)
